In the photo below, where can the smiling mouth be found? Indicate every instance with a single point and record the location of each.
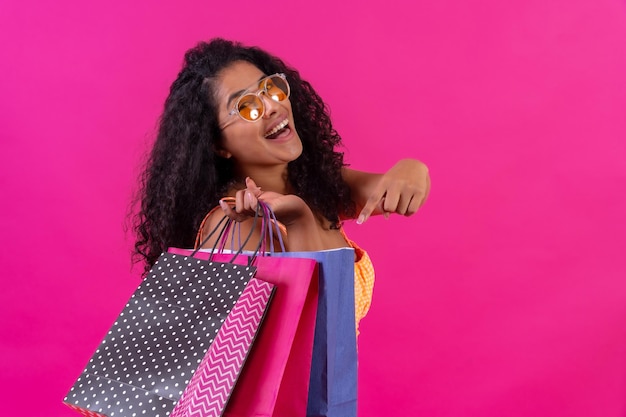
(277, 130)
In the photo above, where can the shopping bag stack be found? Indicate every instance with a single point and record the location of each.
(189, 343)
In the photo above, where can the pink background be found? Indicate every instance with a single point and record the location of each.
(504, 296)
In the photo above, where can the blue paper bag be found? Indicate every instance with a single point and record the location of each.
(333, 383)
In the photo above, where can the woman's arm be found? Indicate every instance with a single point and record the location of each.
(403, 189)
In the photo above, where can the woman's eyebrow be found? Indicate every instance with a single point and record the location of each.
(236, 94)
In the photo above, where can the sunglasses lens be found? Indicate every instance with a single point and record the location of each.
(250, 107)
(277, 88)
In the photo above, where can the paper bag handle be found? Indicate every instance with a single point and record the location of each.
(223, 232)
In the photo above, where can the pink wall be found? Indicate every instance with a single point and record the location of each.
(504, 296)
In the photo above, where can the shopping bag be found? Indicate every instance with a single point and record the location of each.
(164, 332)
(333, 381)
(213, 382)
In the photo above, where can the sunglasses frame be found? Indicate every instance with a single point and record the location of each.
(262, 90)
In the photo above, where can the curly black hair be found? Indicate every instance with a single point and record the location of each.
(184, 177)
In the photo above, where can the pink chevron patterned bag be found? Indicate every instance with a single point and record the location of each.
(212, 383)
(275, 380)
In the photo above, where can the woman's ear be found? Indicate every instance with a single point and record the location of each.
(223, 153)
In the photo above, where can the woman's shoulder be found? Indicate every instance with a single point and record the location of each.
(209, 223)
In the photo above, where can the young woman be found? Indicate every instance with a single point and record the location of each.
(239, 123)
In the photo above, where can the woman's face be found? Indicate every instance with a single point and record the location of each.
(271, 140)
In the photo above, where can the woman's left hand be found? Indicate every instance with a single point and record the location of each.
(403, 189)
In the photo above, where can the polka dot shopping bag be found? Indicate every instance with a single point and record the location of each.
(179, 343)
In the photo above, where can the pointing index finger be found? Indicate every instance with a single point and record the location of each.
(373, 202)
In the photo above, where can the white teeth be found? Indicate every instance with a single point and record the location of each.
(278, 127)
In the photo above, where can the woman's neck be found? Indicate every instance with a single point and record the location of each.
(267, 178)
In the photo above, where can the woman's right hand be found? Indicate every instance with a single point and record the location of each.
(287, 208)
(290, 210)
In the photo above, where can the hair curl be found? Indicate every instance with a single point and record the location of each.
(184, 178)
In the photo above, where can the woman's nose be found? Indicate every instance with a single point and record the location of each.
(271, 105)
